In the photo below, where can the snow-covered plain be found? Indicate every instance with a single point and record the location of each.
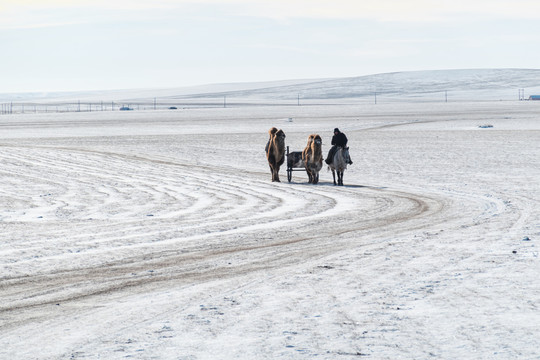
(159, 235)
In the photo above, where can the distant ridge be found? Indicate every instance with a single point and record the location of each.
(481, 83)
(461, 84)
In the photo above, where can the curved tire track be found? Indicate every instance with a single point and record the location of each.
(96, 235)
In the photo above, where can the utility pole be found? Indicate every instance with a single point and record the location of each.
(375, 98)
(154, 103)
(224, 101)
(298, 99)
(445, 95)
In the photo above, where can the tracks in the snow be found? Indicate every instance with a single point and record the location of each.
(83, 222)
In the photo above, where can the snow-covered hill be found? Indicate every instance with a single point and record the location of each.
(483, 84)
(475, 84)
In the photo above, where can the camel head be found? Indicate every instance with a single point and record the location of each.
(279, 137)
(317, 142)
(310, 140)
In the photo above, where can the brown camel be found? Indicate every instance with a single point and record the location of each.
(275, 151)
(312, 157)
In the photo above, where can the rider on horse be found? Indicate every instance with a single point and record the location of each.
(338, 140)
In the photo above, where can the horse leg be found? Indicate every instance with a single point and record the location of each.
(340, 177)
(334, 176)
(276, 170)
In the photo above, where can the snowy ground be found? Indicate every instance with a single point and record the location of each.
(159, 235)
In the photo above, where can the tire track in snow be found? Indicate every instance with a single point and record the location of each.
(208, 224)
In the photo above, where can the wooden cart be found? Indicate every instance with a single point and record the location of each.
(294, 163)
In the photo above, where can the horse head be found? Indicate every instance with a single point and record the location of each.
(346, 155)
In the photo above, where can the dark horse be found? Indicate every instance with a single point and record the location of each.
(339, 164)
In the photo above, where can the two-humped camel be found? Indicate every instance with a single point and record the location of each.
(275, 151)
(312, 157)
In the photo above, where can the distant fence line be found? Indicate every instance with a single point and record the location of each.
(23, 107)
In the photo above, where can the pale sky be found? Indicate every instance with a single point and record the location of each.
(65, 45)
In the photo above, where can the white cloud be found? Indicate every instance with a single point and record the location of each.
(27, 14)
(385, 10)
(12, 11)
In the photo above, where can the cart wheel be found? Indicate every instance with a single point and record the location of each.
(289, 175)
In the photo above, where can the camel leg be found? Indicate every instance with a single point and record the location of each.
(275, 175)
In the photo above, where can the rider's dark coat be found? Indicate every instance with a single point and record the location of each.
(339, 139)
